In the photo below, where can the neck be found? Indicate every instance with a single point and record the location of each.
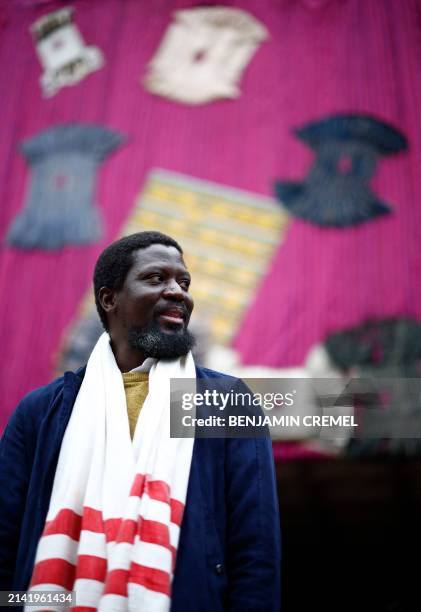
(127, 357)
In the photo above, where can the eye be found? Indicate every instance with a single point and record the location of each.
(155, 278)
(184, 283)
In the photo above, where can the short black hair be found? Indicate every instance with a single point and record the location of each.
(115, 261)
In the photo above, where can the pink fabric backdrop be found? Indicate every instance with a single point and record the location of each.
(323, 57)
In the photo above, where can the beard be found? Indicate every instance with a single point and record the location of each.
(151, 341)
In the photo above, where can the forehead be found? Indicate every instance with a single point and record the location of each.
(157, 255)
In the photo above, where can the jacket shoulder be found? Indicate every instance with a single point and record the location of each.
(208, 373)
(44, 393)
(36, 402)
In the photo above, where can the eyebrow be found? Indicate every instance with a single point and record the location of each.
(161, 266)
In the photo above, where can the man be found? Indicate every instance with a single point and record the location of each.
(148, 523)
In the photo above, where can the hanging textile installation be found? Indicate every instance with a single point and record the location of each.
(336, 191)
(228, 238)
(62, 51)
(386, 346)
(384, 359)
(60, 207)
(203, 54)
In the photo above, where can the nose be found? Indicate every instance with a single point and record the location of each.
(173, 290)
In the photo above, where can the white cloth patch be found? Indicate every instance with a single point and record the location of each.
(203, 54)
(62, 51)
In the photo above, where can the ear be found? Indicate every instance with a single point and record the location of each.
(107, 298)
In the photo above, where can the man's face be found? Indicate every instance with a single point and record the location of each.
(153, 308)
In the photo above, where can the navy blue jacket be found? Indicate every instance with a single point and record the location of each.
(228, 556)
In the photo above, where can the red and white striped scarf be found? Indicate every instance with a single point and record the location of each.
(116, 507)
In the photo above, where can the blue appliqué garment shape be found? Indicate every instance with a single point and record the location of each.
(60, 207)
(336, 191)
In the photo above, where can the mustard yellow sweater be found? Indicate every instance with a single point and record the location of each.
(136, 387)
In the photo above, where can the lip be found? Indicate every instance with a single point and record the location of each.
(173, 315)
